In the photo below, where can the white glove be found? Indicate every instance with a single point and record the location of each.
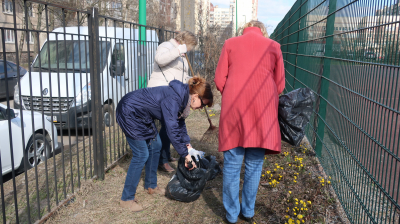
(197, 154)
(182, 49)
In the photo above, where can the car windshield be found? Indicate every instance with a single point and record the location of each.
(72, 55)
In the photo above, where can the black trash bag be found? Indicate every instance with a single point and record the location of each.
(205, 163)
(186, 185)
(294, 112)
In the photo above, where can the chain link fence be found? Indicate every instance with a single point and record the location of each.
(347, 52)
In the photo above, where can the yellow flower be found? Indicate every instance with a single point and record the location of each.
(290, 192)
(296, 199)
(274, 169)
(322, 184)
(295, 213)
(262, 175)
(301, 201)
(295, 181)
(290, 221)
(309, 202)
(330, 177)
(306, 209)
(287, 216)
(281, 168)
(329, 182)
(298, 221)
(302, 209)
(297, 203)
(276, 164)
(295, 177)
(299, 216)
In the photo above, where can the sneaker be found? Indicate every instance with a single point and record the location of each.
(156, 190)
(166, 167)
(132, 205)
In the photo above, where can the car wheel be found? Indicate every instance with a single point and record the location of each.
(108, 116)
(43, 150)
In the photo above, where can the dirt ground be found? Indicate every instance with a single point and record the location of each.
(98, 201)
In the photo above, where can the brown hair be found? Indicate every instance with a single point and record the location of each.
(256, 23)
(186, 37)
(202, 87)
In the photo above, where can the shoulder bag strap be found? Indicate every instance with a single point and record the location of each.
(163, 74)
(183, 71)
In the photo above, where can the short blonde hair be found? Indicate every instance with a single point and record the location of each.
(186, 37)
(256, 23)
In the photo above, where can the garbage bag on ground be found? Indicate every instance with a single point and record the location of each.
(294, 112)
(186, 185)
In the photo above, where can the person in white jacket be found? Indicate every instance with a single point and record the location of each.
(170, 64)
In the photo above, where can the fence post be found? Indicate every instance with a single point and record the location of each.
(324, 83)
(95, 83)
(142, 45)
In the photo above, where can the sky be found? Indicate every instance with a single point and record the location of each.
(270, 12)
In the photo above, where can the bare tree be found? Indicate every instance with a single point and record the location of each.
(211, 41)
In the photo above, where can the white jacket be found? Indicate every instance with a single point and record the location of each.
(173, 65)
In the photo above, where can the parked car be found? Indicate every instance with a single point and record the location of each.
(60, 74)
(369, 55)
(319, 53)
(198, 60)
(32, 137)
(11, 68)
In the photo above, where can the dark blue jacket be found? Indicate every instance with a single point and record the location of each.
(137, 110)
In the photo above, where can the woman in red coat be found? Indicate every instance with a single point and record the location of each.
(250, 75)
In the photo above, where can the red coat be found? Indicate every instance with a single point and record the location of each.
(250, 75)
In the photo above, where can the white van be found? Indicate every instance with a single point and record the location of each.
(64, 83)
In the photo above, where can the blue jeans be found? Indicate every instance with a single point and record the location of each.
(145, 152)
(233, 159)
(165, 153)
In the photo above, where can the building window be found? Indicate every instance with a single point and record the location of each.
(116, 5)
(31, 40)
(9, 36)
(7, 6)
(30, 10)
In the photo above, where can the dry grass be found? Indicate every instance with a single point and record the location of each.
(98, 201)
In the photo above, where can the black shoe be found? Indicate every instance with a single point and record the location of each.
(227, 221)
(249, 220)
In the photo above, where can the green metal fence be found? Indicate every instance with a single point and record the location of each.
(347, 52)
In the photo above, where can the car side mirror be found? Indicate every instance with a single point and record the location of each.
(10, 114)
(118, 68)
